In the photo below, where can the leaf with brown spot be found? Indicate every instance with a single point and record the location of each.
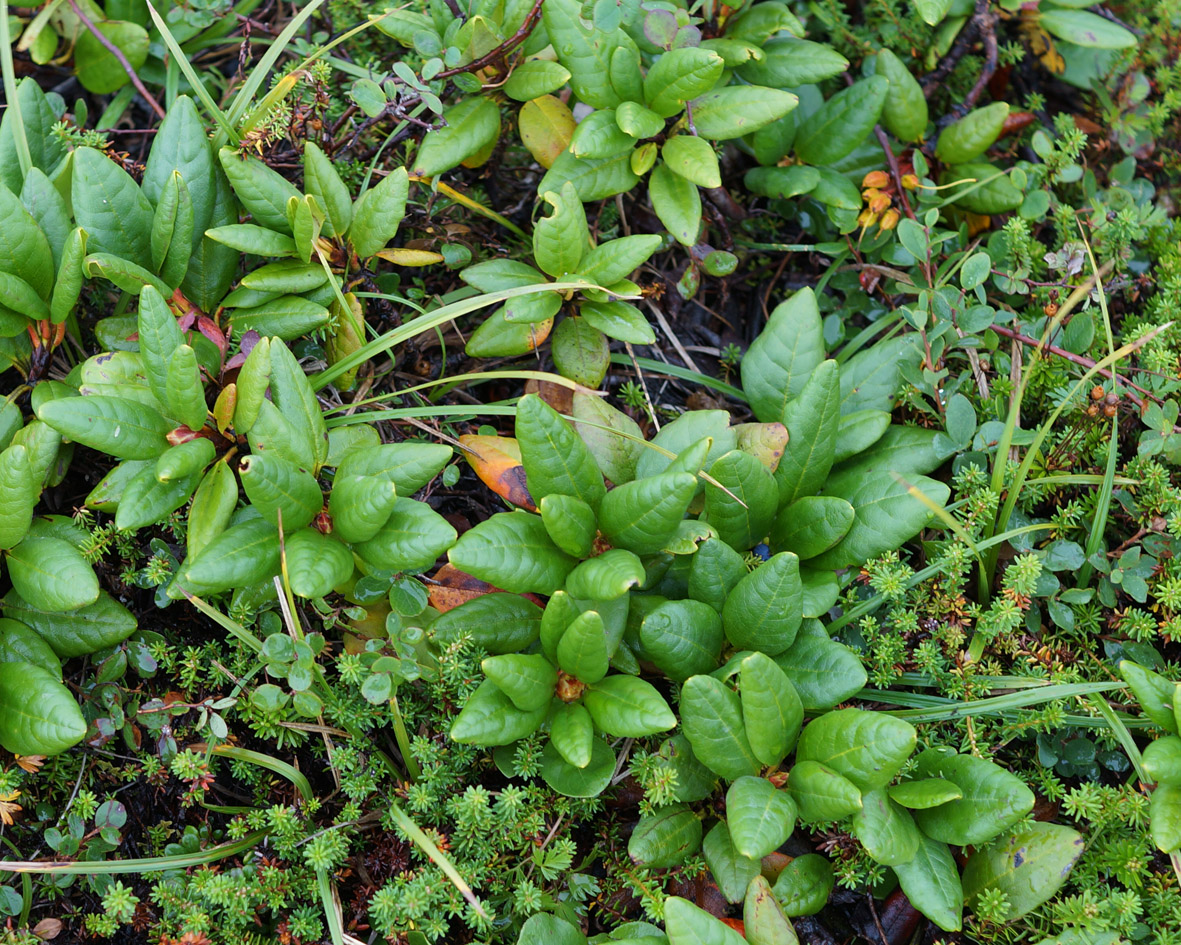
(453, 587)
(764, 441)
(497, 461)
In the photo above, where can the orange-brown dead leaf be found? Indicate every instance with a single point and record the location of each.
(497, 461)
(558, 396)
(453, 587)
(736, 925)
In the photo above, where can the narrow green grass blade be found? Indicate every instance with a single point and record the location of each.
(681, 373)
(437, 856)
(221, 619)
(153, 864)
(937, 709)
(20, 142)
(282, 768)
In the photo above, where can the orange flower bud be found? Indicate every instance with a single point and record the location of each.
(877, 179)
(889, 219)
(866, 219)
(910, 181)
(879, 203)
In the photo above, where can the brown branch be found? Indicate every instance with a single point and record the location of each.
(895, 172)
(960, 47)
(988, 69)
(118, 54)
(507, 46)
(1080, 360)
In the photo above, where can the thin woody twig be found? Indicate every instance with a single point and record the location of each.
(507, 46)
(895, 172)
(118, 54)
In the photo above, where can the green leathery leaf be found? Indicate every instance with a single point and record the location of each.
(823, 671)
(285, 275)
(172, 231)
(147, 499)
(360, 506)
(531, 309)
(70, 276)
(1161, 760)
(615, 260)
(642, 515)
(822, 794)
(693, 158)
(253, 379)
(743, 509)
(111, 208)
(594, 179)
(243, 554)
(677, 203)
(18, 296)
(212, 507)
(293, 396)
(763, 919)
(322, 181)
(126, 275)
(1085, 29)
(789, 62)
(885, 829)
(44, 445)
(607, 576)
(185, 397)
(886, 515)
(761, 817)
(636, 121)
(972, 135)
(627, 707)
(586, 52)
(739, 110)
(784, 356)
(570, 522)
(413, 537)
(24, 249)
(711, 716)
(811, 525)
(570, 781)
(19, 491)
(782, 182)
(40, 716)
(378, 213)
(262, 192)
(46, 150)
(599, 136)
(858, 431)
(316, 564)
(97, 69)
(96, 626)
(561, 239)
(715, 570)
(497, 623)
(554, 456)
(683, 638)
(277, 486)
(52, 575)
(1028, 865)
(572, 733)
(925, 792)
(772, 713)
(615, 453)
(527, 679)
(489, 718)
(665, 838)
(560, 611)
(1153, 692)
(764, 611)
(273, 434)
(123, 428)
(546, 929)
(680, 75)
(580, 352)
(904, 450)
(535, 78)
(868, 748)
(513, 551)
(835, 129)
(472, 125)
(21, 644)
(931, 881)
(619, 320)
(731, 870)
(582, 650)
(686, 924)
(804, 885)
(904, 113)
(159, 337)
(812, 419)
(993, 799)
(251, 238)
(1164, 815)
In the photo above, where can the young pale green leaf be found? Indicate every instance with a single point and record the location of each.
(263, 192)
(823, 671)
(273, 434)
(582, 650)
(743, 508)
(70, 276)
(251, 238)
(184, 395)
(764, 611)
(555, 458)
(489, 718)
(535, 78)
(931, 882)
(686, 924)
(933, 11)
(52, 575)
(666, 838)
(115, 425)
(763, 919)
(1161, 760)
(738, 110)
(1164, 815)
(731, 870)
(513, 551)
(360, 506)
(606, 576)
(868, 748)
(784, 356)
(76, 632)
(771, 709)
(471, 126)
(147, 499)
(560, 612)
(804, 885)
(212, 507)
(1027, 866)
(858, 431)
(322, 181)
(835, 129)
(572, 733)
(677, 203)
(411, 540)
(693, 158)
(885, 829)
(40, 715)
(642, 515)
(993, 799)
(378, 213)
(159, 337)
(627, 707)
(599, 136)
(571, 523)
(497, 623)
(1153, 692)
(637, 121)
(811, 525)
(682, 638)
(925, 793)
(680, 75)
(19, 492)
(1085, 29)
(711, 716)
(172, 231)
(527, 679)
(615, 260)
(761, 817)
(243, 554)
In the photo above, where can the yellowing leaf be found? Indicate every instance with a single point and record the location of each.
(401, 256)
(497, 461)
(546, 125)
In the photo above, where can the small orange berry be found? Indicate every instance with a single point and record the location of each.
(876, 179)
(889, 219)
